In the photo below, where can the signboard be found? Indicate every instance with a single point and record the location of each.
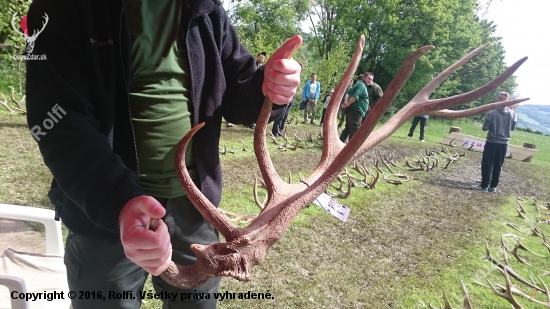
(478, 145)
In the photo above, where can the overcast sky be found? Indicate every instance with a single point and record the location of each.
(525, 30)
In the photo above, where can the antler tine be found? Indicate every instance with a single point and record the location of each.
(203, 205)
(439, 104)
(425, 93)
(416, 106)
(269, 174)
(453, 114)
(331, 143)
(336, 160)
(467, 304)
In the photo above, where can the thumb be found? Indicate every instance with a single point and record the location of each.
(142, 207)
(287, 49)
(149, 206)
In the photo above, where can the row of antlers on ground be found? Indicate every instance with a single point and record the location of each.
(359, 175)
(508, 291)
(246, 247)
(19, 103)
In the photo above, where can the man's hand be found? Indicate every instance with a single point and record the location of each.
(281, 75)
(151, 250)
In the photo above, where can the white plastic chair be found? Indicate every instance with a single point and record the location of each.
(24, 272)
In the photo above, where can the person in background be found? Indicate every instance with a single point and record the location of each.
(345, 98)
(418, 119)
(279, 123)
(498, 123)
(260, 58)
(163, 68)
(355, 109)
(311, 93)
(326, 100)
(375, 92)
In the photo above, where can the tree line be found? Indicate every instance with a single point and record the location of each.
(393, 29)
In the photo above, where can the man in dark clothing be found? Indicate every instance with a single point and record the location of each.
(418, 119)
(260, 59)
(375, 92)
(259, 63)
(123, 88)
(498, 123)
(341, 111)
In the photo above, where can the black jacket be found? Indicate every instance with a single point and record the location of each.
(82, 88)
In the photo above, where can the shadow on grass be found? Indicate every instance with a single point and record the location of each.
(13, 125)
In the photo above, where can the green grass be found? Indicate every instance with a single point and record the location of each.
(401, 244)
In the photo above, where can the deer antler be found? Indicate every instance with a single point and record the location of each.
(246, 247)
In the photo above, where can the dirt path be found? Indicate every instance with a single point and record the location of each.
(19, 236)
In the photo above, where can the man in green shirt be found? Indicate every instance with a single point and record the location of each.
(356, 108)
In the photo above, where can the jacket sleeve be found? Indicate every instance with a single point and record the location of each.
(318, 91)
(243, 97)
(487, 122)
(378, 93)
(305, 92)
(63, 120)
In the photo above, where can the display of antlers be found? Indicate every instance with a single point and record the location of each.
(247, 246)
(508, 291)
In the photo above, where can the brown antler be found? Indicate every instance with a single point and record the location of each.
(246, 247)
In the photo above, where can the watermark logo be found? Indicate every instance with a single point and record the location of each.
(48, 123)
(29, 39)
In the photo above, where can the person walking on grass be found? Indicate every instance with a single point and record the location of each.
(498, 124)
(418, 119)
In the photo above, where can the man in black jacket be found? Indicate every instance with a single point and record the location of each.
(122, 83)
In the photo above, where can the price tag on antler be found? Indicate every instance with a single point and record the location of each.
(332, 206)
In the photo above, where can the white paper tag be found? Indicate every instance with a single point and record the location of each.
(332, 206)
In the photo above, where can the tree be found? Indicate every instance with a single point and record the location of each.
(9, 8)
(12, 69)
(394, 28)
(263, 25)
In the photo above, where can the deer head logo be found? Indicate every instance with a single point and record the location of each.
(23, 25)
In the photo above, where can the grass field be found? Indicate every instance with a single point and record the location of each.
(401, 244)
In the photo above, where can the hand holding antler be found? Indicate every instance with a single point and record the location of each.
(282, 73)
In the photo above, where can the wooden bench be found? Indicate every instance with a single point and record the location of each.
(477, 144)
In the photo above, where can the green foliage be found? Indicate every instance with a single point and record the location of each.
(264, 25)
(12, 70)
(7, 33)
(329, 69)
(8, 73)
(395, 28)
